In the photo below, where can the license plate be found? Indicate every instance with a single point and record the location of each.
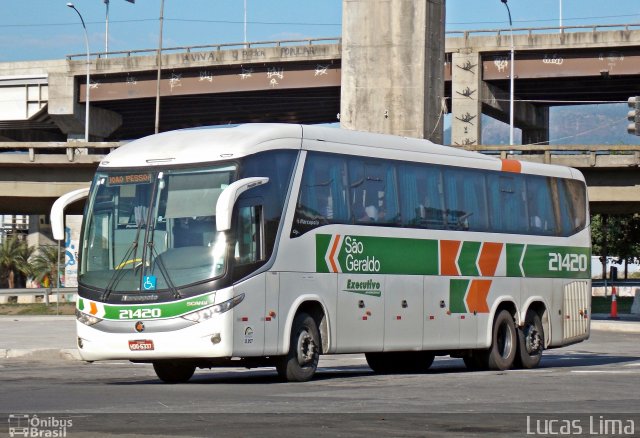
(141, 345)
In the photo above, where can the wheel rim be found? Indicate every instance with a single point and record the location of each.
(306, 348)
(533, 340)
(505, 341)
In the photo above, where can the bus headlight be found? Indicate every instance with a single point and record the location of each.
(86, 319)
(211, 311)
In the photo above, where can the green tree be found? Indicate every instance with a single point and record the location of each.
(14, 260)
(45, 265)
(618, 236)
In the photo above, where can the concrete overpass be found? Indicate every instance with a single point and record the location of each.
(302, 81)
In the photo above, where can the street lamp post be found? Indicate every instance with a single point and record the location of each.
(88, 85)
(159, 62)
(511, 76)
(560, 15)
(106, 26)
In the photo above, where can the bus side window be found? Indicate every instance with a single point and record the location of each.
(540, 206)
(572, 206)
(506, 201)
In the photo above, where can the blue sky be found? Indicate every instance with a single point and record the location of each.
(47, 29)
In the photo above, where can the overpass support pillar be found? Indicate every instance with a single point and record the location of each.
(538, 133)
(466, 106)
(69, 115)
(392, 67)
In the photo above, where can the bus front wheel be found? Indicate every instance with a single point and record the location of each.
(174, 371)
(300, 364)
(504, 342)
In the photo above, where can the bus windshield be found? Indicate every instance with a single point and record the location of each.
(148, 230)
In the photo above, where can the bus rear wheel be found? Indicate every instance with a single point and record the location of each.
(174, 371)
(530, 342)
(400, 362)
(300, 364)
(504, 342)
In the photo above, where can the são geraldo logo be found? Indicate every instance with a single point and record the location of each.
(348, 254)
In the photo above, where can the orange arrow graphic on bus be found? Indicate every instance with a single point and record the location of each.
(93, 308)
(333, 255)
(448, 254)
(489, 257)
(477, 296)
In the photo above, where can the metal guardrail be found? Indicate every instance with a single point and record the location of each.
(68, 148)
(616, 283)
(530, 31)
(60, 148)
(217, 47)
(535, 30)
(37, 291)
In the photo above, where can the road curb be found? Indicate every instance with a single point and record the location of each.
(616, 326)
(40, 353)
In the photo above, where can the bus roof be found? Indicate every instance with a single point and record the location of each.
(211, 144)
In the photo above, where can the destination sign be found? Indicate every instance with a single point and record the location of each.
(135, 178)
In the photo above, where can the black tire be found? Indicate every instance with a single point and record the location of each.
(504, 342)
(300, 364)
(174, 371)
(400, 362)
(530, 342)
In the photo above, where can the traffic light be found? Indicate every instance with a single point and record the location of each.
(634, 115)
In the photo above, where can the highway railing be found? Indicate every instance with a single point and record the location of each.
(30, 151)
(531, 31)
(83, 152)
(211, 47)
(573, 155)
(541, 30)
(36, 292)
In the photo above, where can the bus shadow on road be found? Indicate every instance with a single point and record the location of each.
(580, 360)
(584, 360)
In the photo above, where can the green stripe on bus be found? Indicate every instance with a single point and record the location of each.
(322, 247)
(380, 255)
(468, 258)
(457, 292)
(542, 261)
(514, 254)
(154, 311)
(402, 256)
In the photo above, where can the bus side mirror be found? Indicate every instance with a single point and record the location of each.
(57, 211)
(229, 196)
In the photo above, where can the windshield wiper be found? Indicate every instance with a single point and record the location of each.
(165, 273)
(119, 271)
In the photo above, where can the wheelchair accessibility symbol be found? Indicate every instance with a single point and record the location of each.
(149, 282)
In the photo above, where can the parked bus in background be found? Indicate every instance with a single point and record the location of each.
(271, 244)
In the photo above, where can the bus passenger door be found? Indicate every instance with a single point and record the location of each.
(249, 255)
(403, 327)
(360, 312)
(442, 324)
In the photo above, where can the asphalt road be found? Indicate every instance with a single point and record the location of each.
(590, 382)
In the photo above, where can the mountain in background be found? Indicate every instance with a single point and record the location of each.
(578, 124)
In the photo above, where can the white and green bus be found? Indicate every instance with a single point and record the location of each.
(271, 244)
